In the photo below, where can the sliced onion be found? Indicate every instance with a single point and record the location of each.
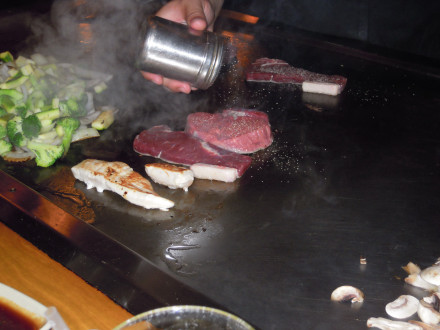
(86, 73)
(84, 133)
(90, 107)
(3, 72)
(87, 120)
(18, 155)
(39, 59)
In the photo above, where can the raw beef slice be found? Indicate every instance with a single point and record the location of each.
(279, 71)
(237, 130)
(182, 148)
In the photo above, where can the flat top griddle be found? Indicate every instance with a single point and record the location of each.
(347, 177)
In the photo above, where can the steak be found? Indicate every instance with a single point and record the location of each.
(279, 71)
(182, 148)
(238, 130)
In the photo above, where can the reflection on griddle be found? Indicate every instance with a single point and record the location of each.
(240, 16)
(60, 184)
(173, 261)
(107, 147)
(320, 102)
(223, 188)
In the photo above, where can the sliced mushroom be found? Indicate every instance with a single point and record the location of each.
(424, 325)
(411, 268)
(403, 307)
(429, 309)
(418, 281)
(431, 274)
(386, 324)
(347, 293)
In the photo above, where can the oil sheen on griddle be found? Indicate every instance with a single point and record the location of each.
(177, 52)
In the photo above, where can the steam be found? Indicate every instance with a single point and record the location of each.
(104, 35)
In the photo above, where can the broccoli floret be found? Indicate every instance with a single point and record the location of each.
(39, 122)
(75, 90)
(45, 85)
(7, 103)
(14, 132)
(36, 100)
(46, 154)
(31, 126)
(5, 147)
(73, 108)
(21, 111)
(2, 112)
(2, 131)
(3, 123)
(65, 128)
(5, 118)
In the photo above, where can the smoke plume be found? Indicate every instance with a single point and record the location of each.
(104, 35)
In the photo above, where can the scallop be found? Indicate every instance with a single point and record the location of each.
(403, 307)
(431, 274)
(347, 293)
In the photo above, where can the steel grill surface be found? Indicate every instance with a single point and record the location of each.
(347, 177)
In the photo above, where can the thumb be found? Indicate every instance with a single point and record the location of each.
(195, 15)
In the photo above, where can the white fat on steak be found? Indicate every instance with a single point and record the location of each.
(214, 172)
(321, 88)
(169, 175)
(121, 179)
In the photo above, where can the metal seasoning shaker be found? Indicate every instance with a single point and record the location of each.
(175, 52)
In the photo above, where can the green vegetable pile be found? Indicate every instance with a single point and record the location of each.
(45, 106)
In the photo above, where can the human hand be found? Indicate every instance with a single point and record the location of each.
(198, 15)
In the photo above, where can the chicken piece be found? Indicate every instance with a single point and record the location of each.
(121, 179)
(169, 175)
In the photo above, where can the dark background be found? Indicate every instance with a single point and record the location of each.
(408, 26)
(405, 25)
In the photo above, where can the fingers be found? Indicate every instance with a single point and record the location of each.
(155, 78)
(173, 11)
(177, 86)
(170, 84)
